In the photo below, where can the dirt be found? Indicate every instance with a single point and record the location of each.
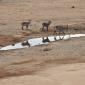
(61, 62)
(7, 39)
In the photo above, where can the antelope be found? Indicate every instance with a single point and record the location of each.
(26, 43)
(60, 31)
(25, 24)
(46, 25)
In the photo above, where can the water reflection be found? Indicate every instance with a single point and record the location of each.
(39, 41)
(25, 43)
(45, 40)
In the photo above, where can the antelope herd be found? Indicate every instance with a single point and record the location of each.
(59, 29)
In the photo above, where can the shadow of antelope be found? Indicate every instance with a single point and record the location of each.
(45, 25)
(26, 24)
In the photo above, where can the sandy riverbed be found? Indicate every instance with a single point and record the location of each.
(60, 62)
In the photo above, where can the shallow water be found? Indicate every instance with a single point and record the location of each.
(39, 41)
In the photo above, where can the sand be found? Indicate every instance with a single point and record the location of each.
(58, 63)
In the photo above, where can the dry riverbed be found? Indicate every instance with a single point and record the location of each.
(61, 62)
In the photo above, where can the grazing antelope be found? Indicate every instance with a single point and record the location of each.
(46, 25)
(45, 40)
(60, 31)
(26, 43)
(25, 24)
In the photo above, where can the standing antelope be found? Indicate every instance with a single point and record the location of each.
(60, 31)
(25, 24)
(46, 25)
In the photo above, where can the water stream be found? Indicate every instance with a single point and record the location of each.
(39, 41)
